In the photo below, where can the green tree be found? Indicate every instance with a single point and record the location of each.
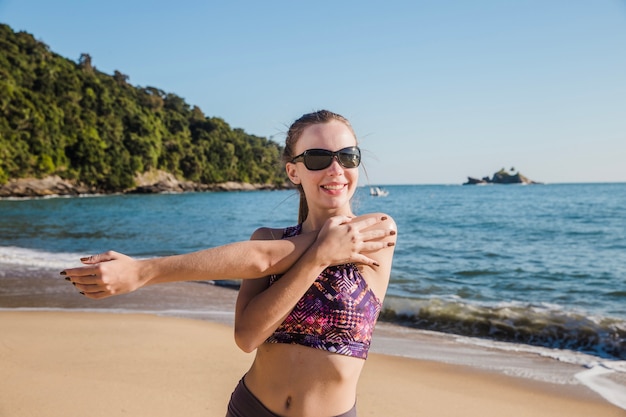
(67, 118)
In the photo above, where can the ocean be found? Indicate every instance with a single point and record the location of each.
(537, 269)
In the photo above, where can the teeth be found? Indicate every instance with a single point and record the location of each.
(333, 187)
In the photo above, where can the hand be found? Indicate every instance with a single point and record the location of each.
(105, 274)
(342, 239)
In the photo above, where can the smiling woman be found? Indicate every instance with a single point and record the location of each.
(311, 326)
(311, 293)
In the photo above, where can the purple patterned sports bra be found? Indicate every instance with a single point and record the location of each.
(337, 313)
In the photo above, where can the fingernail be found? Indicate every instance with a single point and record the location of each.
(393, 232)
(81, 293)
(63, 273)
(383, 218)
(73, 283)
(376, 264)
(84, 259)
(391, 244)
(68, 279)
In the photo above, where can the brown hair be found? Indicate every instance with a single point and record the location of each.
(294, 133)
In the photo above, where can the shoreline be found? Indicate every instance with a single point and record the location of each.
(146, 183)
(142, 364)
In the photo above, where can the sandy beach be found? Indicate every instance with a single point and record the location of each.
(77, 363)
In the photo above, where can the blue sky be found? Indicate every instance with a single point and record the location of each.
(436, 90)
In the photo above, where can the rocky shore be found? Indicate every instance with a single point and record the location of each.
(147, 183)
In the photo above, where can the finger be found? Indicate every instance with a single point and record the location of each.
(86, 280)
(97, 295)
(365, 260)
(368, 221)
(83, 291)
(377, 234)
(375, 246)
(88, 288)
(101, 257)
(92, 291)
(83, 271)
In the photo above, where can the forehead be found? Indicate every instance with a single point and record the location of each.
(333, 136)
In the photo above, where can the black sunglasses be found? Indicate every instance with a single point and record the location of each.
(318, 159)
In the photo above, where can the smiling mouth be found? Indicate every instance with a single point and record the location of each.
(333, 187)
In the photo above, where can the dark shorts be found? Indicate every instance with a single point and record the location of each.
(243, 403)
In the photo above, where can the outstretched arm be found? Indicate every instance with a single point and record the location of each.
(113, 273)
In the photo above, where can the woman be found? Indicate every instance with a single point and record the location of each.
(312, 326)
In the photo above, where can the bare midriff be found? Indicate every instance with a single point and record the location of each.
(294, 380)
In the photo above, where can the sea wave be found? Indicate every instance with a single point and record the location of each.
(543, 325)
(37, 259)
(18, 258)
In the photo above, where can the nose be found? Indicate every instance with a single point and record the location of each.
(335, 166)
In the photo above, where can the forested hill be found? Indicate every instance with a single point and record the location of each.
(66, 118)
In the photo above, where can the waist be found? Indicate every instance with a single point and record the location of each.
(294, 380)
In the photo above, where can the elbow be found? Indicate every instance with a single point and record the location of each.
(245, 340)
(244, 346)
(263, 267)
(259, 263)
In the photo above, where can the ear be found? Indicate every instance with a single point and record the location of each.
(292, 173)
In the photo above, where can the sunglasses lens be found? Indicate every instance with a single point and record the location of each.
(349, 158)
(316, 160)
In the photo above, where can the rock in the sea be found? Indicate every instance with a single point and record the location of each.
(501, 177)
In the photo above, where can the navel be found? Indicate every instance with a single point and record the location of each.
(288, 402)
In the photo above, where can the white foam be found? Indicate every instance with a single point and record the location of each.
(37, 259)
(556, 366)
(561, 355)
(596, 379)
(34, 259)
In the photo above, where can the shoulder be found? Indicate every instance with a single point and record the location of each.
(267, 233)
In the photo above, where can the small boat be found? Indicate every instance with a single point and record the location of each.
(378, 192)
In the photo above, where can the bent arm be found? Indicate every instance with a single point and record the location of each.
(261, 308)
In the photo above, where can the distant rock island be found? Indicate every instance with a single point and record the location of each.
(502, 177)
